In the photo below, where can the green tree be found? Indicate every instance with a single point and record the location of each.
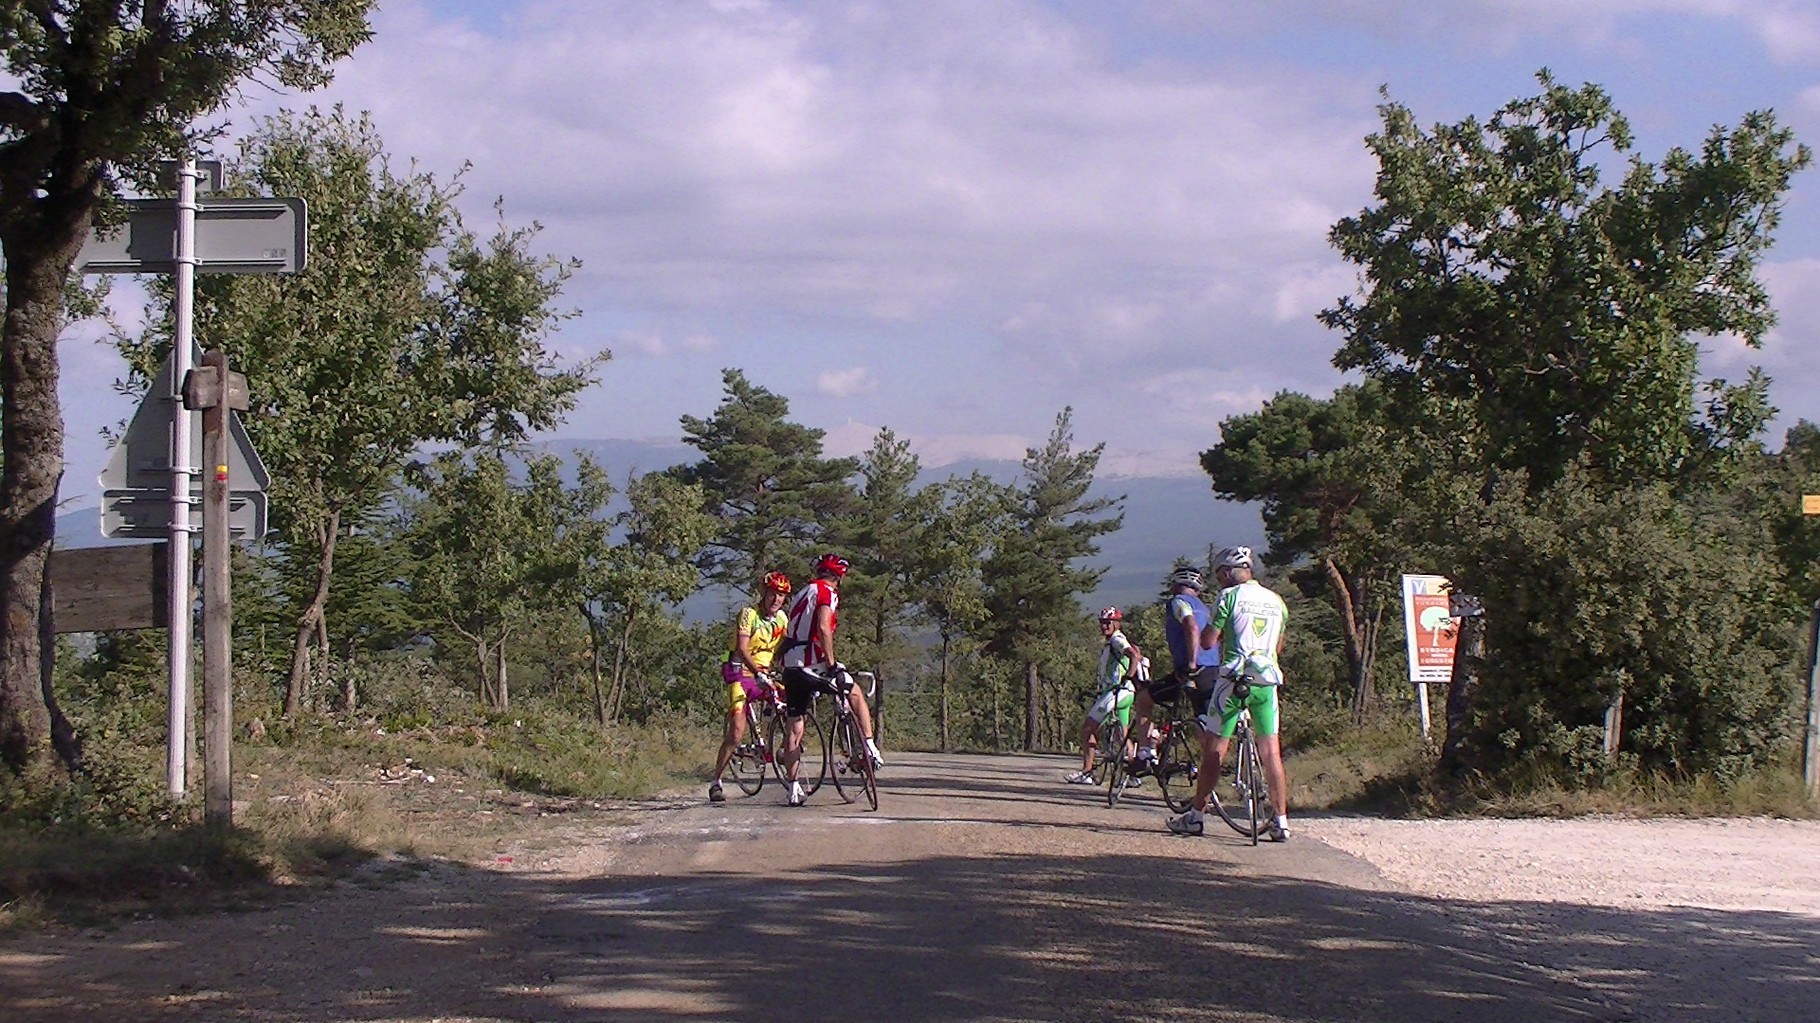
(765, 480)
(945, 573)
(1543, 326)
(1557, 314)
(99, 90)
(626, 585)
(1330, 475)
(1032, 582)
(486, 551)
(893, 520)
(404, 329)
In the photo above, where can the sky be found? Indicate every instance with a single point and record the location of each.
(954, 218)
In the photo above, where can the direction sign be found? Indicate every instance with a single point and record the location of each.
(136, 485)
(235, 236)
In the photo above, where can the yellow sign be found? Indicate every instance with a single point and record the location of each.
(1810, 504)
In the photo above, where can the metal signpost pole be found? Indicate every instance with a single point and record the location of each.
(181, 472)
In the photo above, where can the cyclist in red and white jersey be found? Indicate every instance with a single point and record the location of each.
(809, 666)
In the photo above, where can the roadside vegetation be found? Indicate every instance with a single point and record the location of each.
(431, 650)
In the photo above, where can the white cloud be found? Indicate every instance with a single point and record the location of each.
(845, 383)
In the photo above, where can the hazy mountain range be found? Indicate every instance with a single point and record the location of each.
(1165, 516)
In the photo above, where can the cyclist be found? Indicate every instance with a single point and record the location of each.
(809, 667)
(746, 671)
(1119, 660)
(1249, 620)
(1195, 667)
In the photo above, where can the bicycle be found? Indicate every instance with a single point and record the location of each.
(1243, 801)
(1110, 747)
(764, 738)
(1178, 758)
(844, 754)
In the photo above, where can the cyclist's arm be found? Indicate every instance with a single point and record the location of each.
(824, 632)
(742, 644)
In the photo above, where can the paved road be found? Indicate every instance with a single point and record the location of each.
(982, 889)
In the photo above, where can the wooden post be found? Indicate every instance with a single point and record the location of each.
(1810, 760)
(215, 391)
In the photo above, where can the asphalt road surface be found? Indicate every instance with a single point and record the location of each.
(982, 889)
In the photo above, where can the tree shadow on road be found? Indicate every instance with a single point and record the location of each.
(951, 938)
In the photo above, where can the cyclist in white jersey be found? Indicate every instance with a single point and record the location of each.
(1248, 622)
(1119, 660)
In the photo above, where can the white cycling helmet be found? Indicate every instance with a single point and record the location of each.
(1187, 577)
(1235, 557)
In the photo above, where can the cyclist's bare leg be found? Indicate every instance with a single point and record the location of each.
(1141, 708)
(736, 731)
(857, 700)
(792, 753)
(1270, 753)
(1213, 756)
(1089, 737)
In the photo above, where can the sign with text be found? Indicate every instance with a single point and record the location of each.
(1430, 627)
(1810, 504)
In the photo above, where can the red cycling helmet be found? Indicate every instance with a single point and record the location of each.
(833, 564)
(1112, 614)
(777, 582)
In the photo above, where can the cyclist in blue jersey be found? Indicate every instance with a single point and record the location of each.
(1195, 668)
(1248, 622)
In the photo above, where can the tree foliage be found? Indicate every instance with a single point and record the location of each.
(1557, 314)
(404, 329)
(101, 90)
(765, 480)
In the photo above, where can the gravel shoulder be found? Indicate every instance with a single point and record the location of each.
(1726, 864)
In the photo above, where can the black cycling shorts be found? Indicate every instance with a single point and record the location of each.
(1198, 684)
(801, 685)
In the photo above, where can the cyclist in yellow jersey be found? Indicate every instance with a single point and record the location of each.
(756, 634)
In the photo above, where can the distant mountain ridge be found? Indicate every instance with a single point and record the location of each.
(1165, 516)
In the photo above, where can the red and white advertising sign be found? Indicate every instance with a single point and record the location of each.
(1432, 631)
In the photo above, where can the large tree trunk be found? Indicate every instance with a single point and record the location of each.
(310, 622)
(1032, 705)
(39, 245)
(600, 703)
(1469, 655)
(944, 693)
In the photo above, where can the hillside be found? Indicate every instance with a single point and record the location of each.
(1165, 517)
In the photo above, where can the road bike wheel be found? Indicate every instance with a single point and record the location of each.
(748, 762)
(845, 752)
(1231, 796)
(1178, 764)
(1111, 748)
(1115, 776)
(813, 766)
(868, 773)
(774, 742)
(1257, 794)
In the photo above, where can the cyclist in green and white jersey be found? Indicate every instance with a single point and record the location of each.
(1248, 623)
(1119, 660)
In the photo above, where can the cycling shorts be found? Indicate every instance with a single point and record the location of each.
(1260, 700)
(741, 686)
(801, 685)
(1112, 699)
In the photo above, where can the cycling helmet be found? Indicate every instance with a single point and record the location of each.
(777, 582)
(1187, 577)
(1235, 557)
(1112, 614)
(833, 564)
